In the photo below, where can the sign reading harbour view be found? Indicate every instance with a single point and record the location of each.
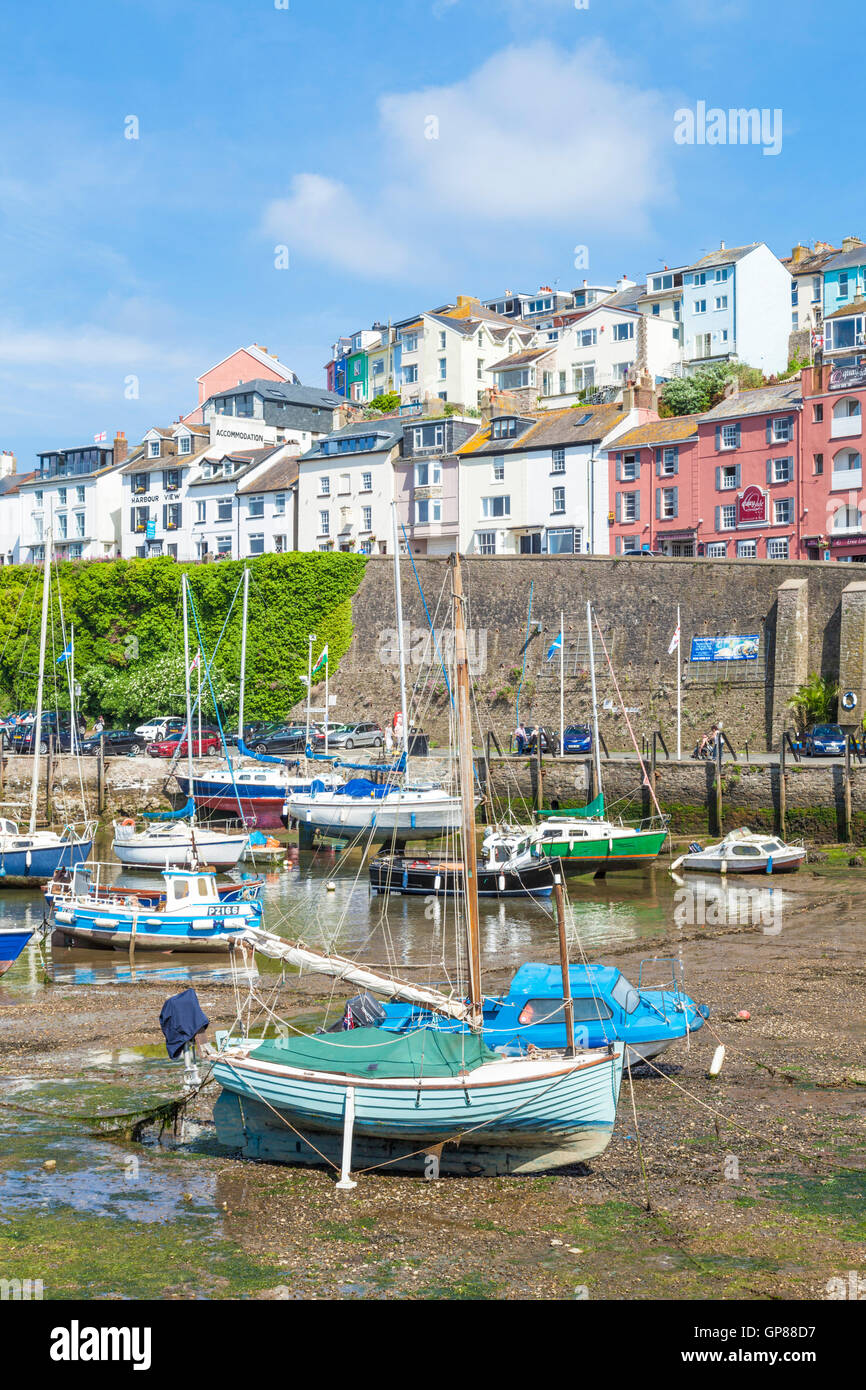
(725, 648)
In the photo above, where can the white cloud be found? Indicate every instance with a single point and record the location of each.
(537, 136)
(85, 346)
(322, 219)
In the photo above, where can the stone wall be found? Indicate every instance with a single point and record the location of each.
(795, 607)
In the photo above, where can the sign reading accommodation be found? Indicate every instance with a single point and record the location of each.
(725, 648)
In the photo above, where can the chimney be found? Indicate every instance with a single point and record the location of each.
(722, 246)
(8, 465)
(850, 243)
(799, 252)
(121, 448)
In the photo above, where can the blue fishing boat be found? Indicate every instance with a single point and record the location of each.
(188, 916)
(12, 943)
(531, 1014)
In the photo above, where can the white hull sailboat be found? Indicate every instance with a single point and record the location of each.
(176, 845)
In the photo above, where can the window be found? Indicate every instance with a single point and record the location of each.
(499, 470)
(729, 476)
(717, 550)
(38, 495)
(699, 278)
(777, 549)
(410, 342)
(428, 474)
(79, 495)
(504, 427)
(622, 332)
(378, 366)
(200, 508)
(561, 541)
(780, 470)
(479, 368)
(280, 504)
(184, 444)
(324, 524)
(627, 545)
(668, 461)
(171, 516)
(818, 412)
(728, 517)
(224, 545)
(61, 496)
(366, 518)
(700, 306)
(721, 274)
(558, 500)
(153, 448)
(324, 487)
(280, 545)
(846, 468)
(257, 543)
(496, 506)
(442, 341)
(486, 542)
(256, 506)
(427, 510)
(530, 544)
(720, 301)
(75, 552)
(410, 375)
(783, 511)
(558, 465)
(747, 550)
(843, 284)
(629, 468)
(79, 523)
(587, 337)
(818, 463)
(628, 508)
(847, 519)
(224, 509)
(730, 437)
(781, 430)
(667, 503)
(366, 482)
(443, 368)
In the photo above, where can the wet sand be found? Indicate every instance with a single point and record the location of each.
(749, 1186)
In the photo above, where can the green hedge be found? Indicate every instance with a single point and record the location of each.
(129, 632)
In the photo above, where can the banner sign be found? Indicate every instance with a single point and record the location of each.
(725, 648)
(847, 378)
(752, 507)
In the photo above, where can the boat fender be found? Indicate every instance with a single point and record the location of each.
(769, 863)
(502, 883)
(723, 867)
(718, 1060)
(28, 860)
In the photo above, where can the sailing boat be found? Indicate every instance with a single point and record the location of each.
(583, 839)
(427, 1095)
(257, 791)
(172, 843)
(375, 810)
(35, 855)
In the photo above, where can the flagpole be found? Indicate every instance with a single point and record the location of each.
(73, 721)
(679, 689)
(561, 684)
(311, 639)
(327, 664)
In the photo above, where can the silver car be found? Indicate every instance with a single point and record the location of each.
(352, 736)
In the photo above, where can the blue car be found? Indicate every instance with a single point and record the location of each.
(824, 741)
(577, 739)
(606, 1006)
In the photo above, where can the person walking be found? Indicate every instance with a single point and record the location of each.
(520, 738)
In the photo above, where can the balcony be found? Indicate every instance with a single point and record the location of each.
(845, 426)
(846, 479)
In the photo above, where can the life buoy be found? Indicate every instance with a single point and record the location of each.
(849, 699)
(128, 821)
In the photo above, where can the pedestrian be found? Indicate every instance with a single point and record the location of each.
(389, 740)
(99, 725)
(520, 738)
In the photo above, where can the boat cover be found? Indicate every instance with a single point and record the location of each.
(181, 1020)
(369, 1052)
(591, 811)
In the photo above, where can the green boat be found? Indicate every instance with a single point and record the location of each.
(585, 842)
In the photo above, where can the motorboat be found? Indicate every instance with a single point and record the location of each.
(744, 851)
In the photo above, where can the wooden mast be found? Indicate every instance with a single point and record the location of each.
(467, 797)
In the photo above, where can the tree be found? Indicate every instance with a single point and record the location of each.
(814, 702)
(386, 402)
(691, 395)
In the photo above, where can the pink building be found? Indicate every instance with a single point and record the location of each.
(245, 364)
(834, 505)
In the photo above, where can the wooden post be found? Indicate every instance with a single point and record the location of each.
(593, 780)
(100, 778)
(783, 787)
(539, 776)
(568, 1002)
(847, 791)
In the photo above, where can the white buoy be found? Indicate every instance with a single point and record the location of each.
(331, 885)
(718, 1059)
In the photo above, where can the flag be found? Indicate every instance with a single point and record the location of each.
(101, 437)
(196, 662)
(555, 646)
(675, 641)
(65, 655)
(322, 661)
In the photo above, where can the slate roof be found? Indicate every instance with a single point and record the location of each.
(282, 391)
(248, 458)
(724, 256)
(11, 483)
(844, 259)
(520, 359)
(552, 429)
(390, 430)
(281, 475)
(670, 431)
(857, 306)
(760, 401)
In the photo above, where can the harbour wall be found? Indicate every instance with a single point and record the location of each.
(806, 616)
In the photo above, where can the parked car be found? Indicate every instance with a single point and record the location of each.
(167, 747)
(161, 728)
(280, 738)
(350, 736)
(23, 737)
(256, 729)
(532, 738)
(577, 739)
(117, 743)
(824, 740)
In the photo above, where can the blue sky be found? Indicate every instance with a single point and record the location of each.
(307, 127)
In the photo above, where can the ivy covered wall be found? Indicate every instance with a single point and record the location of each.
(129, 633)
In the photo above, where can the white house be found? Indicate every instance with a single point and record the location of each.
(77, 494)
(345, 489)
(737, 304)
(535, 485)
(155, 512)
(267, 510)
(11, 515)
(449, 355)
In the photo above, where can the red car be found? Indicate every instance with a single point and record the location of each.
(167, 747)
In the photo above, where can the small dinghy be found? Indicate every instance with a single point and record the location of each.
(745, 852)
(12, 943)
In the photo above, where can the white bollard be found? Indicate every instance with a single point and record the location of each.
(346, 1184)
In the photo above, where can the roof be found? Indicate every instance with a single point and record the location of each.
(551, 429)
(725, 255)
(280, 475)
(623, 299)
(670, 431)
(388, 433)
(759, 401)
(12, 481)
(266, 358)
(248, 458)
(857, 306)
(812, 261)
(843, 259)
(282, 391)
(138, 456)
(519, 359)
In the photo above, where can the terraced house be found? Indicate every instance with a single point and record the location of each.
(346, 486)
(75, 494)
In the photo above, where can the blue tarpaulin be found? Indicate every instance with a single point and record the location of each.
(181, 1020)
